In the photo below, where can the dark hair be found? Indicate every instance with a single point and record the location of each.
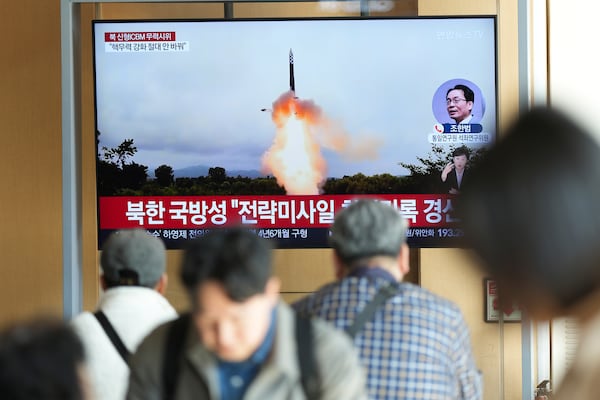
(39, 360)
(236, 258)
(530, 211)
(461, 151)
(469, 95)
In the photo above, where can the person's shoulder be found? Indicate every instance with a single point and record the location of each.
(423, 298)
(328, 338)
(83, 318)
(147, 364)
(85, 324)
(316, 298)
(148, 359)
(345, 287)
(156, 337)
(323, 331)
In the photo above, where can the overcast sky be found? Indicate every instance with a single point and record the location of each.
(202, 107)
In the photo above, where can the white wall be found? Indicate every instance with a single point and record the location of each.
(574, 62)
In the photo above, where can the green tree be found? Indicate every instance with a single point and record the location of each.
(217, 174)
(117, 174)
(134, 175)
(109, 178)
(164, 175)
(119, 155)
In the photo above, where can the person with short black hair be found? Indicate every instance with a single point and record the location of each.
(531, 214)
(42, 359)
(134, 280)
(240, 341)
(459, 103)
(413, 344)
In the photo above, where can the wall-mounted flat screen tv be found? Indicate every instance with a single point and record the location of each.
(279, 124)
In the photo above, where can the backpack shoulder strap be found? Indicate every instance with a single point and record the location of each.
(112, 335)
(367, 313)
(173, 351)
(309, 370)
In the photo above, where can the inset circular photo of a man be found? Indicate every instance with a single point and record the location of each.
(458, 101)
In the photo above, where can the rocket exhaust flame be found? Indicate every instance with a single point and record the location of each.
(295, 157)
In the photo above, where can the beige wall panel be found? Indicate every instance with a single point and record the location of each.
(318, 9)
(457, 7)
(176, 293)
(283, 10)
(400, 8)
(90, 268)
(508, 63)
(30, 127)
(303, 270)
(246, 10)
(290, 298)
(160, 11)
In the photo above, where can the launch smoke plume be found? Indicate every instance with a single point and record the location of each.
(302, 130)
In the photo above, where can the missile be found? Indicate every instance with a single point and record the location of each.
(292, 83)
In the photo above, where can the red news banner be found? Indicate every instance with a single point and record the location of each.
(192, 212)
(139, 36)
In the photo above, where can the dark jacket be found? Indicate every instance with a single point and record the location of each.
(452, 182)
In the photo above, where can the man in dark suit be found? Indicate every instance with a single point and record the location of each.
(454, 174)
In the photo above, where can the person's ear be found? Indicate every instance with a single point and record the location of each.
(161, 285)
(339, 268)
(404, 260)
(103, 284)
(470, 104)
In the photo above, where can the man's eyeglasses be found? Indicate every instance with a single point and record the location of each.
(454, 100)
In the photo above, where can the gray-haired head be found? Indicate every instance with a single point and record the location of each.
(133, 258)
(367, 228)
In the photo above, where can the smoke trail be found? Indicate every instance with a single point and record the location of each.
(302, 129)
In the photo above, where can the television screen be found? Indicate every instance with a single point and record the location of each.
(279, 124)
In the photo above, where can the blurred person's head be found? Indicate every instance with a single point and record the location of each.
(133, 258)
(460, 157)
(370, 233)
(42, 359)
(530, 213)
(459, 102)
(228, 276)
